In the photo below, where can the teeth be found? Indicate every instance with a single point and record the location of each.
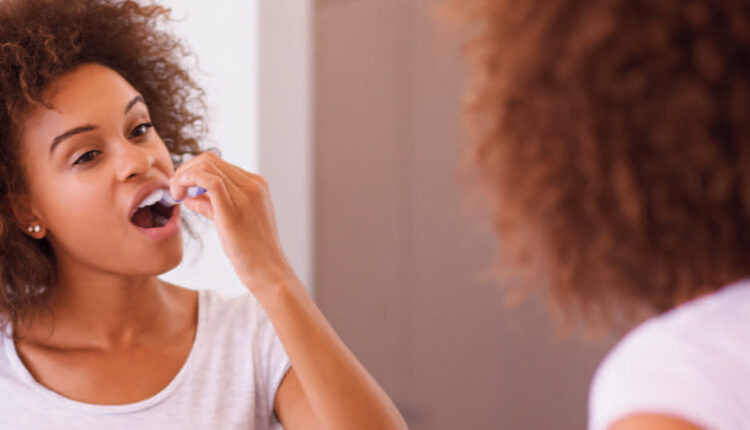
(152, 198)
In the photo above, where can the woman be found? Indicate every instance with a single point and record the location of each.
(613, 138)
(96, 114)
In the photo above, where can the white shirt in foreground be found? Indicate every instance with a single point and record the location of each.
(228, 381)
(692, 362)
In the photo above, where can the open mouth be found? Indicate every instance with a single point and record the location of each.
(153, 216)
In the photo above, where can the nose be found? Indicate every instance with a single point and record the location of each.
(134, 160)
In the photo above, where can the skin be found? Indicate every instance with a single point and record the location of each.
(652, 422)
(114, 320)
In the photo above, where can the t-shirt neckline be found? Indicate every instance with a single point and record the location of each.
(165, 392)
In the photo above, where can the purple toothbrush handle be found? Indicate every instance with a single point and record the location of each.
(193, 192)
(168, 200)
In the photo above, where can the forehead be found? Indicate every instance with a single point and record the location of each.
(86, 93)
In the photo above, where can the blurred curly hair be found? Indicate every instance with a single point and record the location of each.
(613, 139)
(39, 41)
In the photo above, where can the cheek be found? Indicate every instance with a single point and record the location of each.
(75, 207)
(85, 226)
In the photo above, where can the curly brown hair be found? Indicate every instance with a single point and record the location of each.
(40, 40)
(613, 139)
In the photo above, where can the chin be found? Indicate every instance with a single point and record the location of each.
(164, 258)
(174, 254)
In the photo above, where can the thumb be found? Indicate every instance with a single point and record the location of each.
(200, 204)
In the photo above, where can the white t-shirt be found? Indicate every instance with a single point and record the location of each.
(692, 362)
(228, 381)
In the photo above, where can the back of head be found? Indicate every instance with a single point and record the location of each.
(612, 138)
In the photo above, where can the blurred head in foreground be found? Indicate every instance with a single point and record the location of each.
(613, 140)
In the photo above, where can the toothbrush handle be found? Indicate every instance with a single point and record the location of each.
(195, 191)
(192, 192)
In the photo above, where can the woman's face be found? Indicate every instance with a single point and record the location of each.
(82, 190)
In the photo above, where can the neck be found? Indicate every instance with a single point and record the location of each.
(94, 309)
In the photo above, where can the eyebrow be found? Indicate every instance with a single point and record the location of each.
(88, 127)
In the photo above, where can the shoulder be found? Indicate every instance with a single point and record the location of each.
(683, 363)
(213, 304)
(237, 320)
(234, 312)
(240, 324)
(653, 422)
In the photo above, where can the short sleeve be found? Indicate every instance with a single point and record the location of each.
(656, 374)
(272, 363)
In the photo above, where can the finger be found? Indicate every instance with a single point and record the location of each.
(185, 178)
(202, 161)
(207, 165)
(214, 184)
(199, 159)
(201, 205)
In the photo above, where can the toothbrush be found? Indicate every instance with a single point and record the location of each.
(168, 200)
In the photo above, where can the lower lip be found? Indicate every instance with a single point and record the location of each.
(165, 231)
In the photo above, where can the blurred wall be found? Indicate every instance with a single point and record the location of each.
(397, 259)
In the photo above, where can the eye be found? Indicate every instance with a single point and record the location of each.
(84, 157)
(141, 129)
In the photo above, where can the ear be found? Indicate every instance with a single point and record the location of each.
(25, 216)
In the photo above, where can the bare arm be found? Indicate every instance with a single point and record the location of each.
(327, 381)
(327, 385)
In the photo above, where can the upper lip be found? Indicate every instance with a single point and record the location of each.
(143, 192)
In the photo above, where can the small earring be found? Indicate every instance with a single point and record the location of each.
(36, 229)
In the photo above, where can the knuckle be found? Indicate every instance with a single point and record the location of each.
(210, 155)
(255, 189)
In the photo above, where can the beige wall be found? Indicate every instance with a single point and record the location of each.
(397, 261)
